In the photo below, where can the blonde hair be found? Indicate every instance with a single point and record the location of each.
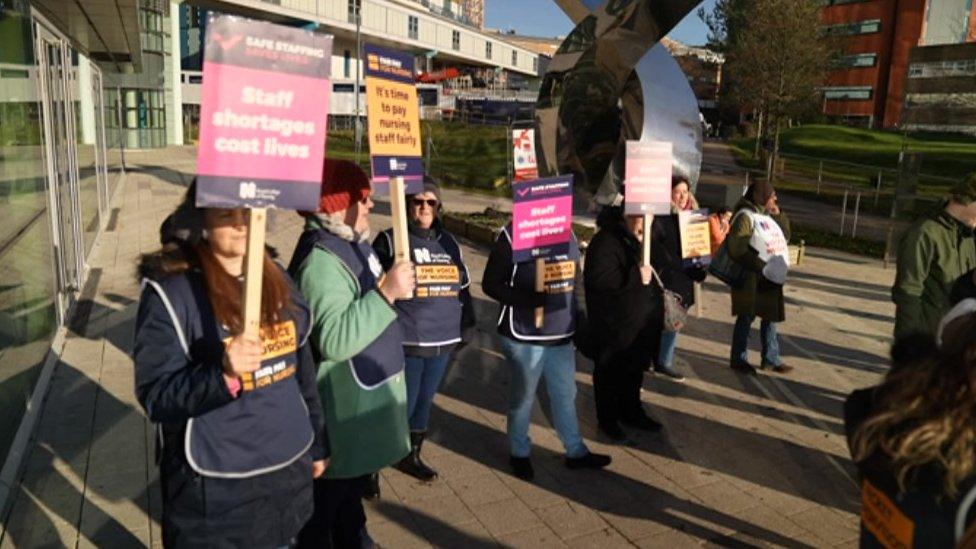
(925, 413)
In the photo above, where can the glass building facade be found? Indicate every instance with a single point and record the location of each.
(56, 177)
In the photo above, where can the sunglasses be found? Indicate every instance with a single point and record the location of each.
(418, 202)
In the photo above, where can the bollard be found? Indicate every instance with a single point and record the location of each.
(698, 300)
(843, 214)
(857, 210)
(819, 176)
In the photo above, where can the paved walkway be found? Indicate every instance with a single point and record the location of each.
(743, 461)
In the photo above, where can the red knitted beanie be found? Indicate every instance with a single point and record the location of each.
(343, 183)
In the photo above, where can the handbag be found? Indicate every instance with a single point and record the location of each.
(723, 267)
(675, 313)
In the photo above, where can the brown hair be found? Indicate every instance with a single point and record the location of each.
(923, 413)
(225, 291)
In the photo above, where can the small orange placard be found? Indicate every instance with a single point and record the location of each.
(883, 518)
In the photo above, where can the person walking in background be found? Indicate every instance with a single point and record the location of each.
(674, 274)
(533, 352)
(913, 439)
(719, 224)
(359, 348)
(625, 314)
(237, 443)
(434, 320)
(935, 253)
(758, 242)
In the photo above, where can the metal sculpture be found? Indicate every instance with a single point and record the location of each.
(611, 81)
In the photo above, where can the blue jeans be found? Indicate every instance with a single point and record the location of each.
(669, 342)
(424, 375)
(740, 341)
(558, 365)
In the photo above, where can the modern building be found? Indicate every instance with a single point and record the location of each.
(445, 36)
(703, 67)
(941, 88)
(868, 88)
(59, 166)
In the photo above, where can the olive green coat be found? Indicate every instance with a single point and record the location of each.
(933, 255)
(754, 296)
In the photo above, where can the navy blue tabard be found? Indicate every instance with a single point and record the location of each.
(382, 359)
(560, 286)
(433, 317)
(267, 426)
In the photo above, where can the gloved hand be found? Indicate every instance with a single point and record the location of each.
(775, 270)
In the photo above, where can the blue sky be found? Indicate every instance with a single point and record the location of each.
(544, 18)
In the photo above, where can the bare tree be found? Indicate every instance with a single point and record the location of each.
(777, 57)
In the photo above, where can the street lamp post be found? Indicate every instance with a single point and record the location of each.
(359, 67)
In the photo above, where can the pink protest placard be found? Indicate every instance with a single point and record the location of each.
(542, 217)
(264, 115)
(647, 178)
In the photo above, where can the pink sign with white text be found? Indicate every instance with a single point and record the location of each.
(647, 178)
(542, 217)
(264, 115)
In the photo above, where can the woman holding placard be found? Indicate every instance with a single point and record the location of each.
(625, 312)
(434, 320)
(758, 242)
(674, 272)
(239, 434)
(534, 352)
(359, 348)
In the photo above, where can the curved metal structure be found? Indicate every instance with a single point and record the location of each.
(611, 82)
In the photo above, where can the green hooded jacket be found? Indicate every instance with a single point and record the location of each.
(932, 257)
(367, 429)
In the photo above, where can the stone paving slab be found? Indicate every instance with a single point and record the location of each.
(742, 461)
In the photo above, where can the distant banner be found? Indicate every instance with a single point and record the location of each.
(264, 115)
(542, 218)
(394, 119)
(696, 241)
(523, 145)
(647, 181)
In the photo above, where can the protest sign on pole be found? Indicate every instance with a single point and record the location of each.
(523, 146)
(647, 184)
(396, 153)
(696, 241)
(542, 227)
(263, 122)
(395, 147)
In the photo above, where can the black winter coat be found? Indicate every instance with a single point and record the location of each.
(625, 316)
(666, 259)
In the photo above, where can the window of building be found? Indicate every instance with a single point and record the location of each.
(346, 64)
(858, 60)
(152, 35)
(488, 50)
(413, 27)
(848, 93)
(456, 40)
(514, 57)
(942, 69)
(868, 26)
(354, 9)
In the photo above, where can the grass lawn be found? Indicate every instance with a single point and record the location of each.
(943, 155)
(467, 156)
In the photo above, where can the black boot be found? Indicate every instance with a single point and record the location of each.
(372, 490)
(412, 464)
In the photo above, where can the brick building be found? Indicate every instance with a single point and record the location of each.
(879, 38)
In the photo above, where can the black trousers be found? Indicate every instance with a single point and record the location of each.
(617, 381)
(339, 520)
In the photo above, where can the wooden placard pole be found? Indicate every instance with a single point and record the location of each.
(257, 219)
(647, 239)
(398, 211)
(540, 286)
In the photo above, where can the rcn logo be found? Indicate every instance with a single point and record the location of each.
(422, 255)
(396, 166)
(248, 190)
